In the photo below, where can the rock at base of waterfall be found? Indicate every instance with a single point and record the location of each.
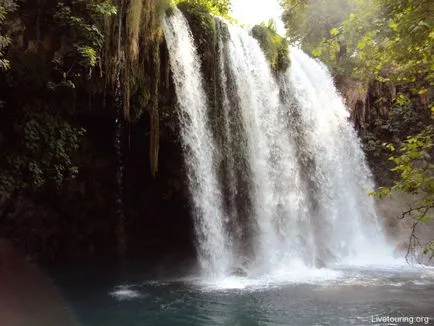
(239, 271)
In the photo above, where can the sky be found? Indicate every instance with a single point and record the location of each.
(252, 12)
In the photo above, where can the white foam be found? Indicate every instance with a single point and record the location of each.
(125, 292)
(396, 273)
(299, 275)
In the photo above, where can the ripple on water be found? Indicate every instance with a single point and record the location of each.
(125, 292)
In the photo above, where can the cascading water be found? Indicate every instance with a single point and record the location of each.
(232, 177)
(294, 189)
(199, 146)
(275, 181)
(345, 222)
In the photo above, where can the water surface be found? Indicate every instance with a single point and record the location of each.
(326, 297)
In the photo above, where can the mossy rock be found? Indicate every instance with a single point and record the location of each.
(275, 47)
(140, 84)
(203, 27)
(222, 29)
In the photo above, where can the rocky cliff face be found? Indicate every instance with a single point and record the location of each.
(380, 117)
(77, 218)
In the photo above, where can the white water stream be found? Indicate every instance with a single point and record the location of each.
(293, 193)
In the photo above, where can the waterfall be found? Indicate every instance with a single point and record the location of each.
(345, 219)
(232, 177)
(283, 182)
(199, 146)
(341, 176)
(275, 182)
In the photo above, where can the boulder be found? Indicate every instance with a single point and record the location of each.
(240, 272)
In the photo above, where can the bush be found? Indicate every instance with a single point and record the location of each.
(275, 47)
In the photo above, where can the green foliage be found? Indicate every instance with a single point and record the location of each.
(393, 40)
(309, 22)
(106, 8)
(217, 7)
(81, 24)
(5, 8)
(402, 120)
(317, 26)
(413, 165)
(38, 136)
(200, 18)
(275, 47)
(88, 56)
(43, 155)
(412, 161)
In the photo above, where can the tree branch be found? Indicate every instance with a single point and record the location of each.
(414, 241)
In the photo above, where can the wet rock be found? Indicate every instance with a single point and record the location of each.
(240, 272)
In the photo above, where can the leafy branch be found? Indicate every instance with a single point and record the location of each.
(413, 163)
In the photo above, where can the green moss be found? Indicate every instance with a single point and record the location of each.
(216, 7)
(140, 94)
(274, 46)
